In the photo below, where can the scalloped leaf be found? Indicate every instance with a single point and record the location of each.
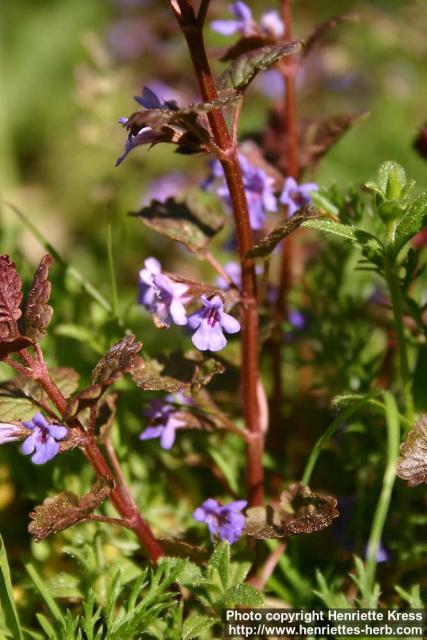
(38, 313)
(264, 247)
(10, 298)
(122, 357)
(62, 511)
(245, 67)
(301, 511)
(176, 372)
(412, 464)
(192, 220)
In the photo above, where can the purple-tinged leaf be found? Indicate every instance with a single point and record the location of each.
(10, 298)
(264, 247)
(12, 345)
(245, 67)
(38, 313)
(301, 511)
(62, 511)
(412, 464)
(121, 358)
(177, 372)
(192, 220)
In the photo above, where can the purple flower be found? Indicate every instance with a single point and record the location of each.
(160, 295)
(42, 444)
(226, 522)
(210, 323)
(258, 187)
(271, 84)
(244, 24)
(164, 423)
(146, 135)
(272, 24)
(296, 196)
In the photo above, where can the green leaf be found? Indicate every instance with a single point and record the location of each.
(64, 585)
(245, 67)
(193, 219)
(244, 595)
(47, 627)
(45, 593)
(220, 560)
(330, 227)
(20, 398)
(265, 246)
(228, 467)
(411, 222)
(195, 625)
(386, 170)
(6, 596)
(357, 236)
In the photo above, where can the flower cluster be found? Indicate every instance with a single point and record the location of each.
(41, 438)
(166, 300)
(225, 522)
(148, 100)
(270, 24)
(258, 187)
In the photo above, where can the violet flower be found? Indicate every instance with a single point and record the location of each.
(160, 295)
(226, 522)
(164, 423)
(258, 188)
(296, 195)
(146, 135)
(244, 24)
(210, 323)
(43, 443)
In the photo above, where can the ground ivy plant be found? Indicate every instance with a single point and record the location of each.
(241, 324)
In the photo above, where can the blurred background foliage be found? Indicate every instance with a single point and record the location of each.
(69, 69)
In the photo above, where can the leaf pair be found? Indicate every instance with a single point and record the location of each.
(37, 312)
(300, 511)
